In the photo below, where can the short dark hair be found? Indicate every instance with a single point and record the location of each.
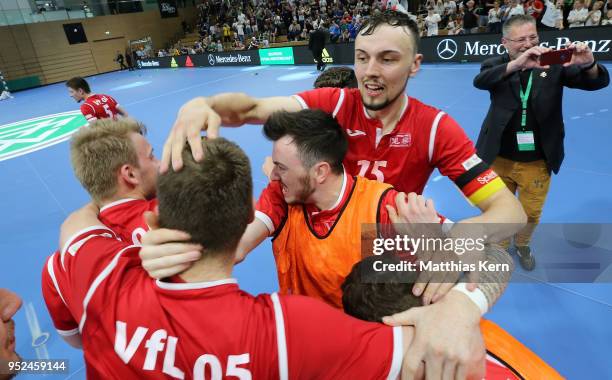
(317, 135)
(370, 295)
(395, 19)
(337, 77)
(77, 83)
(212, 200)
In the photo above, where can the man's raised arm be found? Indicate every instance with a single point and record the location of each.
(208, 114)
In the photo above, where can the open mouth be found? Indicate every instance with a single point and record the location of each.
(374, 89)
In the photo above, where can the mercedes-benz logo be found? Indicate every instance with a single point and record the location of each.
(447, 48)
(211, 59)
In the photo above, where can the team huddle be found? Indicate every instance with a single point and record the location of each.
(143, 283)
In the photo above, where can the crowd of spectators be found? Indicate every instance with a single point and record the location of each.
(251, 24)
(473, 16)
(269, 19)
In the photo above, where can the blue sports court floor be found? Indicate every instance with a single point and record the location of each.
(569, 325)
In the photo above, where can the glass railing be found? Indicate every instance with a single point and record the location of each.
(75, 10)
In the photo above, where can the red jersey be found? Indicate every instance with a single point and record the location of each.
(63, 320)
(424, 139)
(99, 106)
(125, 217)
(135, 327)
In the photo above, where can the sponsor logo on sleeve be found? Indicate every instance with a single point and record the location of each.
(487, 178)
(471, 162)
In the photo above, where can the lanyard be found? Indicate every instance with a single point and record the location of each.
(524, 99)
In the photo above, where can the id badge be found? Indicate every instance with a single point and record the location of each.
(526, 141)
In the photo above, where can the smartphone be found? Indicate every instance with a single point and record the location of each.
(556, 57)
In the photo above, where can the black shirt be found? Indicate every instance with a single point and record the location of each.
(484, 8)
(470, 20)
(509, 145)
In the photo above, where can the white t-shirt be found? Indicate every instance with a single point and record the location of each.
(552, 15)
(494, 15)
(518, 10)
(577, 18)
(432, 24)
(594, 19)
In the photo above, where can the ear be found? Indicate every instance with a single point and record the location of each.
(416, 64)
(321, 171)
(127, 174)
(504, 42)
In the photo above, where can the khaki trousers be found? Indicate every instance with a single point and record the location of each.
(531, 180)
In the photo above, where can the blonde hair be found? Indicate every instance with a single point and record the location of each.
(98, 151)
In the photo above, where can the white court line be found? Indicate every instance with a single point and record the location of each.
(186, 88)
(80, 370)
(565, 289)
(46, 186)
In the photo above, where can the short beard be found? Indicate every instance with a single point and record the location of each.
(378, 107)
(306, 192)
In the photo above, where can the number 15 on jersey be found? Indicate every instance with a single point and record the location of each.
(365, 165)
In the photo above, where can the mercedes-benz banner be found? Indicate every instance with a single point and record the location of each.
(461, 48)
(478, 47)
(234, 58)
